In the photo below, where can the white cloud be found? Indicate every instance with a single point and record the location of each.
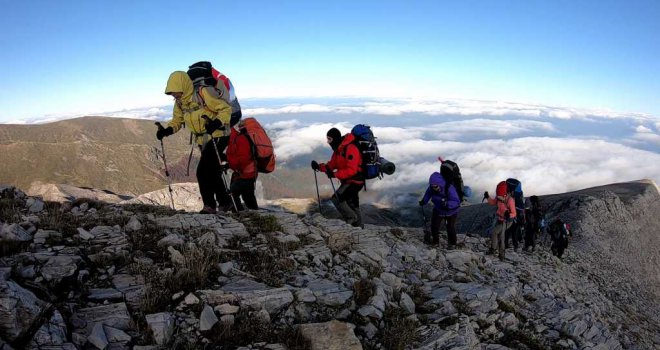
(294, 142)
(544, 165)
(458, 107)
(642, 129)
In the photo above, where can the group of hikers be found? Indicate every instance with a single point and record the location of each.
(206, 104)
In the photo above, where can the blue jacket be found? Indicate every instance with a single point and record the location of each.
(444, 203)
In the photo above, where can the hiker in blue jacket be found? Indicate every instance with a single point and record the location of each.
(446, 204)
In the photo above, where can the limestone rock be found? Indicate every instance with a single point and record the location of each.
(161, 326)
(333, 335)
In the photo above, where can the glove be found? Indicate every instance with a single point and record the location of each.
(315, 165)
(164, 132)
(329, 172)
(421, 202)
(486, 195)
(212, 125)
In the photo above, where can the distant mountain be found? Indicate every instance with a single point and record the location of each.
(114, 154)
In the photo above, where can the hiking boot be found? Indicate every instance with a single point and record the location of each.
(436, 240)
(490, 251)
(501, 257)
(208, 210)
(427, 238)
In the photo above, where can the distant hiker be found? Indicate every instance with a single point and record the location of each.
(533, 217)
(559, 231)
(515, 233)
(446, 204)
(240, 158)
(506, 209)
(345, 165)
(206, 121)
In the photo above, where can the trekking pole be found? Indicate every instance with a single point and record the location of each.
(333, 186)
(167, 172)
(222, 175)
(318, 196)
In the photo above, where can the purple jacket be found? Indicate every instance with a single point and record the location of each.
(445, 203)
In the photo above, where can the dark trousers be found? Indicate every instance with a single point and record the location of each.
(244, 188)
(209, 174)
(530, 235)
(347, 202)
(559, 244)
(450, 223)
(514, 233)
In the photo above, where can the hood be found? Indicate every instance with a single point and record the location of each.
(437, 179)
(180, 82)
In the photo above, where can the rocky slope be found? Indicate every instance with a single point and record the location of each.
(89, 275)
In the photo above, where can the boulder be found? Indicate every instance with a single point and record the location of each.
(333, 335)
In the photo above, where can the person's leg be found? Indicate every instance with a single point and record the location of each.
(247, 192)
(235, 189)
(495, 237)
(205, 175)
(451, 229)
(353, 200)
(339, 199)
(219, 189)
(502, 244)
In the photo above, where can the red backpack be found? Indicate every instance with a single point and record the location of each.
(262, 146)
(501, 189)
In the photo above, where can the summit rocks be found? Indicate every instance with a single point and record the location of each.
(102, 276)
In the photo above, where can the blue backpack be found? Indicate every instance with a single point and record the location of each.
(373, 165)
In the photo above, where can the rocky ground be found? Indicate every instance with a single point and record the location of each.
(87, 275)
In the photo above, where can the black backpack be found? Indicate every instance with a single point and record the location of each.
(451, 172)
(203, 75)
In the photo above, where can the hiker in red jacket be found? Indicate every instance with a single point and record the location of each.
(345, 165)
(241, 161)
(506, 209)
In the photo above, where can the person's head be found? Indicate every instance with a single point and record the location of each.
(179, 86)
(334, 138)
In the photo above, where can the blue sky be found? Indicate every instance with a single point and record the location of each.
(60, 57)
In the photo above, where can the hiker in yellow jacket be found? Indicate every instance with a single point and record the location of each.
(207, 117)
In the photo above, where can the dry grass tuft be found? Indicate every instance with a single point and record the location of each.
(363, 290)
(400, 331)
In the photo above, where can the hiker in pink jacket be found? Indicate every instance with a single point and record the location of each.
(506, 209)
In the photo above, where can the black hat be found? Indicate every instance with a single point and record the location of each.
(335, 134)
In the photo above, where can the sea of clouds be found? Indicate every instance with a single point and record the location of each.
(550, 149)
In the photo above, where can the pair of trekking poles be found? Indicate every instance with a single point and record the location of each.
(167, 172)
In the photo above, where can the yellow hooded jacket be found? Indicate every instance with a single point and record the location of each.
(190, 109)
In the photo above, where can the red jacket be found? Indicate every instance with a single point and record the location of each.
(240, 157)
(346, 161)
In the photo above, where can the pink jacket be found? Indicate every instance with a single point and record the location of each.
(504, 204)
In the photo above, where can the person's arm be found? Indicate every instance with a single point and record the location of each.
(177, 118)
(221, 109)
(427, 196)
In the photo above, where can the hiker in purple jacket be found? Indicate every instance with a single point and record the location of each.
(446, 204)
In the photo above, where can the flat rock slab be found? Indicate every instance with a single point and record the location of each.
(329, 293)
(333, 335)
(271, 300)
(113, 315)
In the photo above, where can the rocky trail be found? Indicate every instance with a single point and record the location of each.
(92, 275)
